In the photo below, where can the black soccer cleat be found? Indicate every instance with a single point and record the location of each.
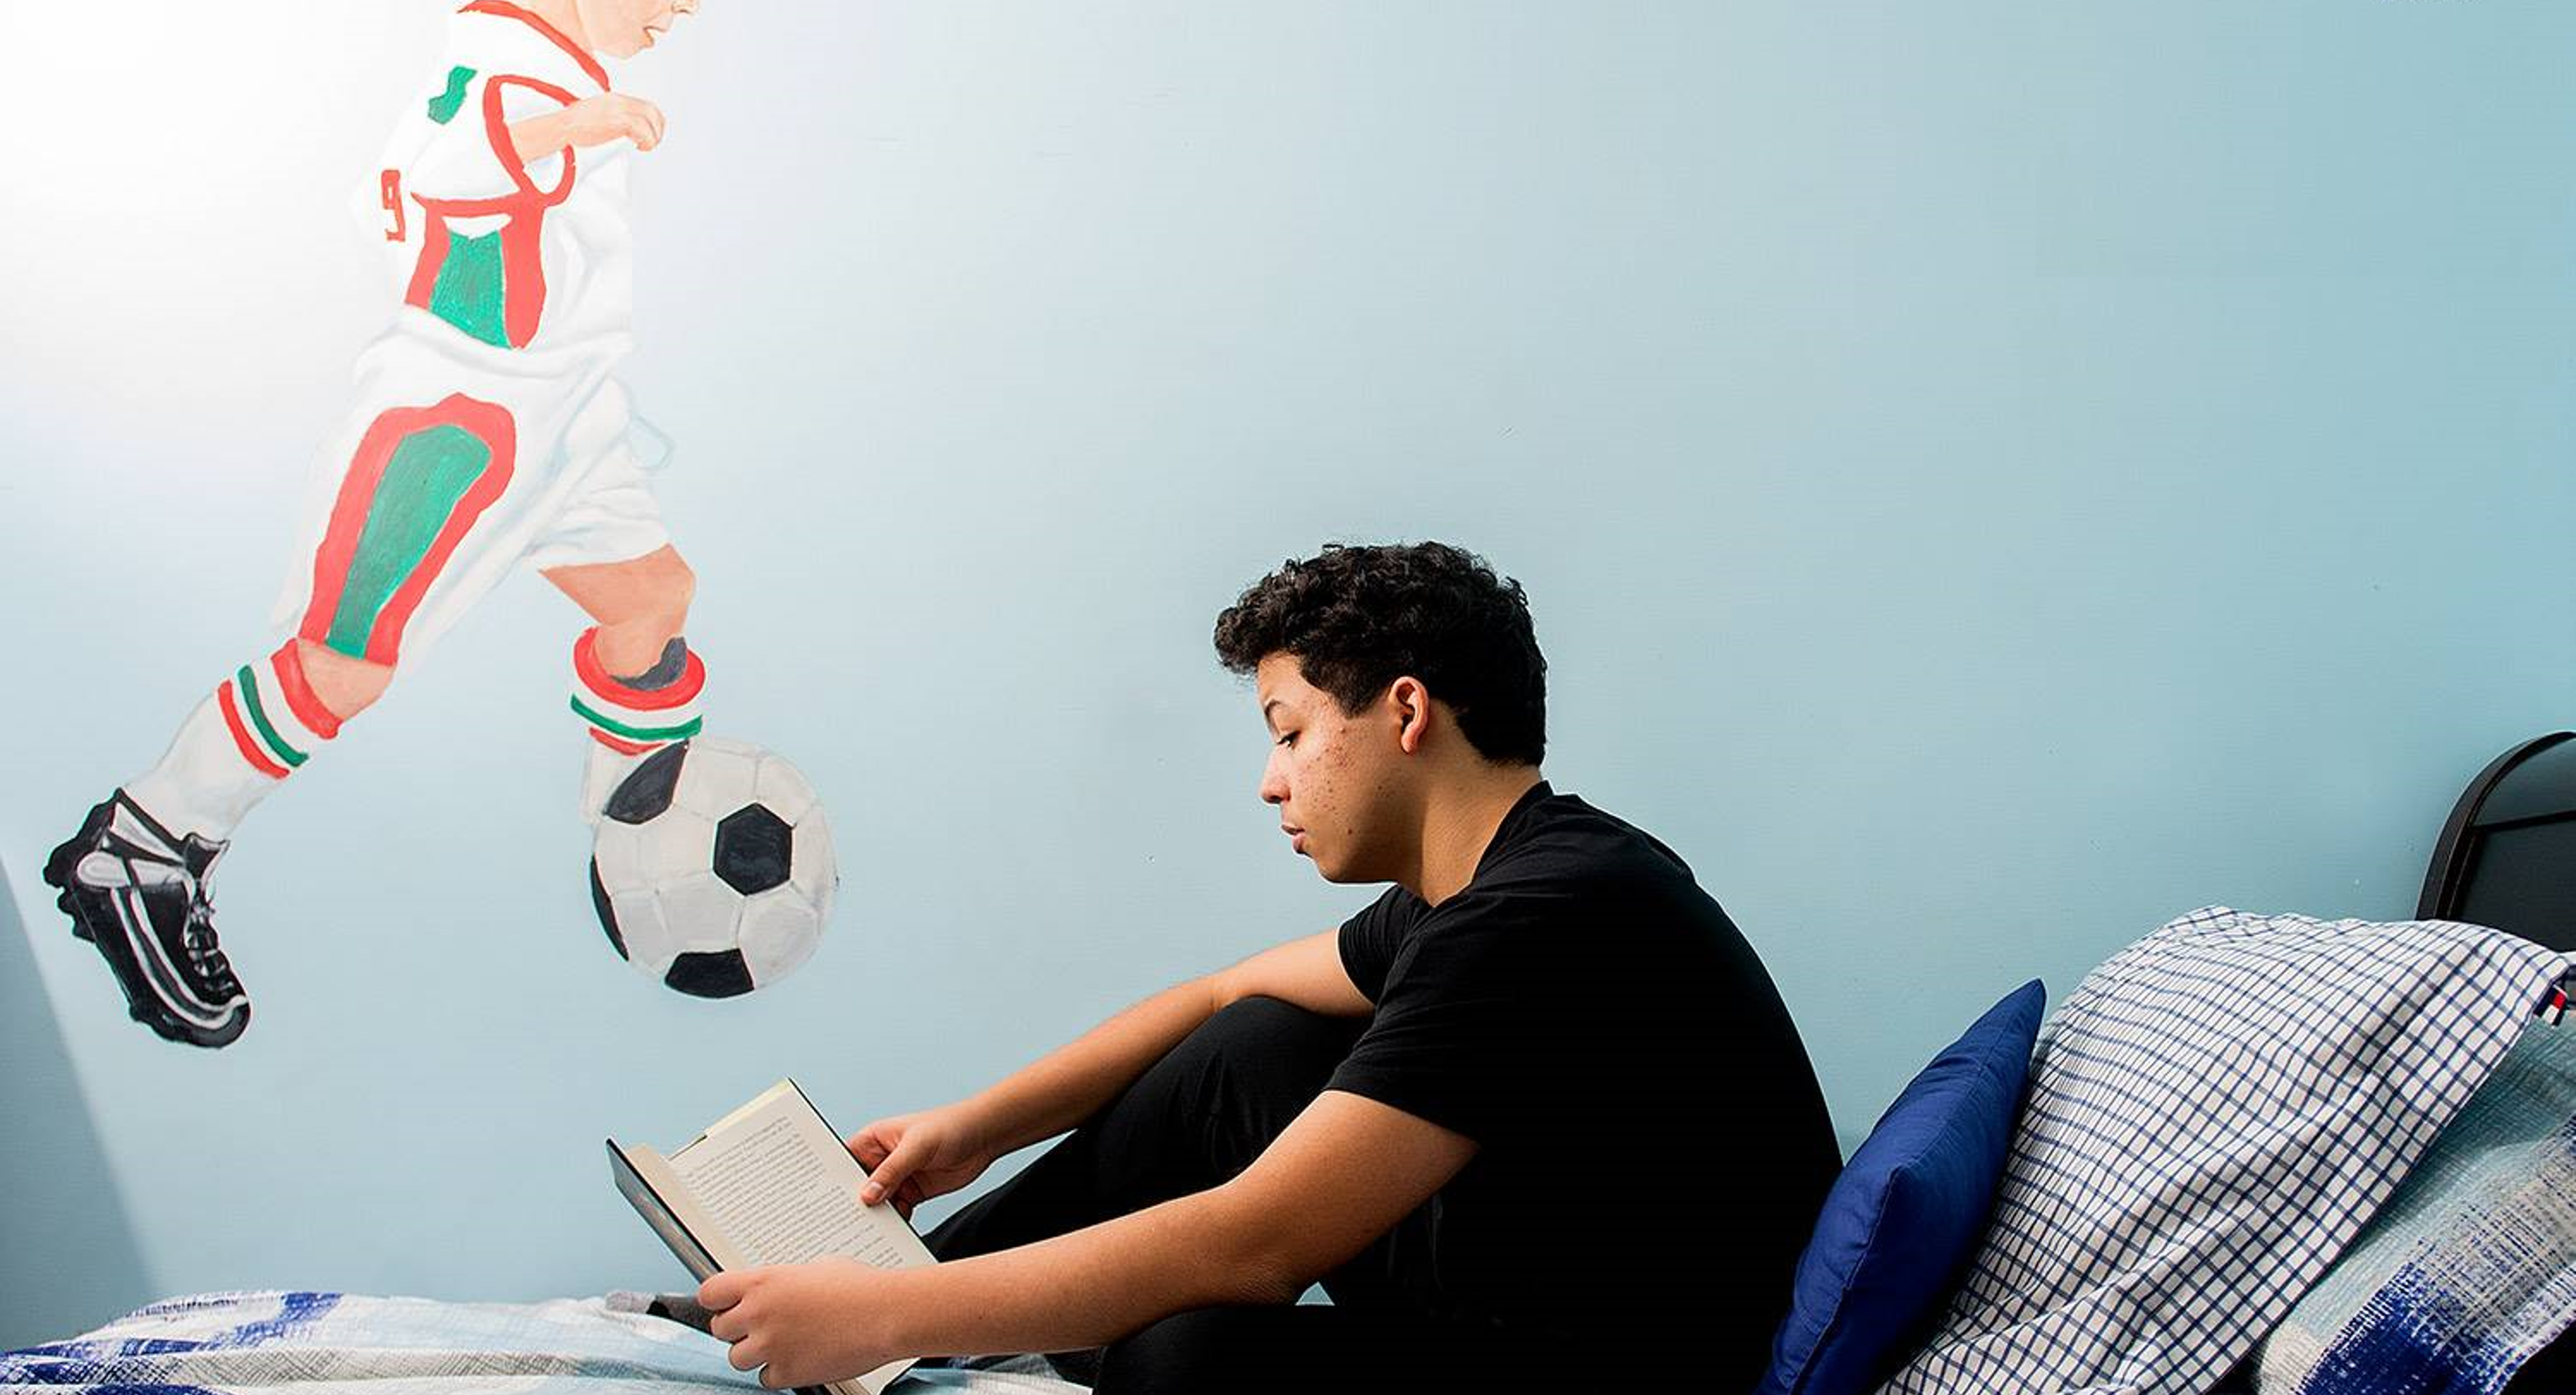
(140, 896)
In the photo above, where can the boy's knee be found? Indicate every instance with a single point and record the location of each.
(1183, 1352)
(1259, 1048)
(1262, 1026)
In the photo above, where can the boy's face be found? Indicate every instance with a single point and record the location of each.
(625, 28)
(1331, 775)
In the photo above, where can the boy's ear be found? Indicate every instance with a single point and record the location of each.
(1412, 709)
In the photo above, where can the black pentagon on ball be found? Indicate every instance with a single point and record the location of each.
(646, 790)
(718, 975)
(607, 913)
(753, 849)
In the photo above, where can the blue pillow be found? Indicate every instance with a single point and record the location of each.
(1906, 1210)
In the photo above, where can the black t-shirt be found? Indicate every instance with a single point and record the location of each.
(1653, 1146)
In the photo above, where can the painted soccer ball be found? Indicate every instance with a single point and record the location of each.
(712, 869)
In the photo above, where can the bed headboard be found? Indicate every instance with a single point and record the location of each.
(2507, 857)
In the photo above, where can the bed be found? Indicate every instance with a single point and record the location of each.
(294, 1342)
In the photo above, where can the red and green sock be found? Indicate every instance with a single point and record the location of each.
(638, 714)
(259, 726)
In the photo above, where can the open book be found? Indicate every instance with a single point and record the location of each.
(769, 1183)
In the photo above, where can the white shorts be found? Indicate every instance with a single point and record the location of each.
(448, 476)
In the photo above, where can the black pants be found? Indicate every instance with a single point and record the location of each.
(1195, 1119)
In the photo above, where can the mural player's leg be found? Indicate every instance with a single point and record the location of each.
(1195, 1119)
(406, 520)
(636, 683)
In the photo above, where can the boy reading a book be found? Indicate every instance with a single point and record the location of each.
(1463, 1112)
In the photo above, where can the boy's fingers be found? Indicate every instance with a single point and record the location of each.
(888, 1175)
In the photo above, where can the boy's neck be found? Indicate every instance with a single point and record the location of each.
(1460, 825)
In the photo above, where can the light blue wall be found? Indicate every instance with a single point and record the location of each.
(1989, 478)
(64, 1229)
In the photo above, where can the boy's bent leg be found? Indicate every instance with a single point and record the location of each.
(1316, 1347)
(1194, 1119)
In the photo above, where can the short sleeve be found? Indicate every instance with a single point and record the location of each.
(1370, 940)
(468, 155)
(1457, 1021)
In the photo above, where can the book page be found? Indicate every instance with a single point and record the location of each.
(784, 1189)
(769, 1183)
(778, 1201)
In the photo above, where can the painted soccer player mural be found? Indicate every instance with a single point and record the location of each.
(490, 432)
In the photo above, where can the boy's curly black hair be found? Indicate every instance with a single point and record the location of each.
(1358, 618)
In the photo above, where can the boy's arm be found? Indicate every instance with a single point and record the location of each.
(1307, 972)
(1341, 1175)
(1074, 1081)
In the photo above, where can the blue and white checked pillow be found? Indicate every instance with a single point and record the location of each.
(2212, 1116)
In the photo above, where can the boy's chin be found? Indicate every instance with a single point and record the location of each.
(1339, 876)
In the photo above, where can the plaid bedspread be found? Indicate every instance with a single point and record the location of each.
(294, 1343)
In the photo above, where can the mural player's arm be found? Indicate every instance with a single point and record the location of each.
(914, 1157)
(588, 122)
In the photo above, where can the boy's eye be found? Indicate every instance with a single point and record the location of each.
(1287, 738)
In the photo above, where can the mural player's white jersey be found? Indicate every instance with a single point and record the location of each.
(535, 257)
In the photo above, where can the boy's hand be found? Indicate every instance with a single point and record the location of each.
(803, 1324)
(591, 121)
(911, 1158)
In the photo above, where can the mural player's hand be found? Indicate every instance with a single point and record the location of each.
(803, 1324)
(914, 1157)
(612, 116)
